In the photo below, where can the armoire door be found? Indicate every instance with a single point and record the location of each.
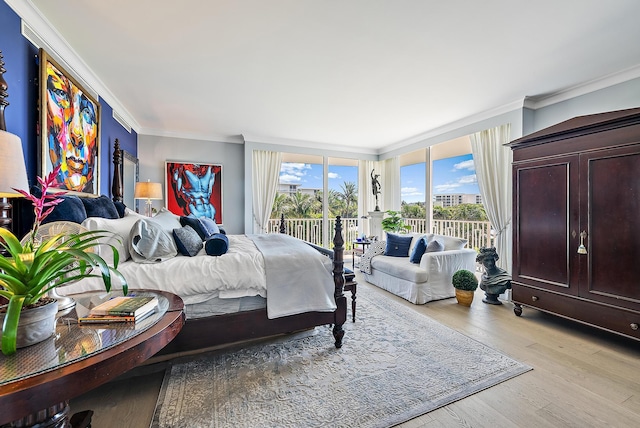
(610, 201)
(546, 220)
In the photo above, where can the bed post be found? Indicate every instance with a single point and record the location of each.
(340, 315)
(283, 228)
(116, 184)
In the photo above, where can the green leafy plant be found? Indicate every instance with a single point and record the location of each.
(394, 222)
(34, 268)
(465, 280)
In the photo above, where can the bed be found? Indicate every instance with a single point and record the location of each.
(239, 309)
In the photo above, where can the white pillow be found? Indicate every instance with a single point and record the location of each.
(448, 242)
(120, 228)
(167, 220)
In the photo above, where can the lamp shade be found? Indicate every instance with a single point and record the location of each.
(13, 173)
(148, 190)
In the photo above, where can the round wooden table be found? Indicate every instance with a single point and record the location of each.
(37, 382)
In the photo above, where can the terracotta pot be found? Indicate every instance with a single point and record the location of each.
(464, 297)
(36, 324)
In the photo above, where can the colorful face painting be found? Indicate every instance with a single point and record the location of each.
(71, 132)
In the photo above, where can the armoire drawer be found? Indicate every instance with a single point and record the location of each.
(606, 317)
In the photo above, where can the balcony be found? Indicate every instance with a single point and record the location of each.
(478, 233)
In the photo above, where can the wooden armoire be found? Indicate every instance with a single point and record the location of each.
(576, 221)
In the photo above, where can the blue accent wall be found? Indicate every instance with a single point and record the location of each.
(21, 115)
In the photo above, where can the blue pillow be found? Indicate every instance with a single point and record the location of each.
(120, 207)
(209, 225)
(70, 209)
(195, 225)
(187, 240)
(205, 226)
(216, 245)
(418, 250)
(397, 245)
(100, 207)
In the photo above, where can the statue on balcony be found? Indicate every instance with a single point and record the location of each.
(495, 280)
(375, 187)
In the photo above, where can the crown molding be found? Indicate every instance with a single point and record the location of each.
(307, 144)
(39, 31)
(220, 138)
(452, 126)
(612, 79)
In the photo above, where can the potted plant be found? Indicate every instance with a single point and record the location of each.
(394, 222)
(465, 283)
(33, 268)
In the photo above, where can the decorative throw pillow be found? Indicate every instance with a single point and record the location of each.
(434, 247)
(150, 243)
(187, 240)
(101, 206)
(418, 250)
(397, 245)
(70, 209)
(449, 242)
(205, 226)
(209, 225)
(216, 245)
(120, 207)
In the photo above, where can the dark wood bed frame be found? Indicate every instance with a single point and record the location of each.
(199, 333)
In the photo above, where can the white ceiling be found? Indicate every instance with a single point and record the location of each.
(360, 74)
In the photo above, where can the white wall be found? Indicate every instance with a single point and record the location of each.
(154, 151)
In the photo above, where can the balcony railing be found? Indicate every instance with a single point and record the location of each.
(478, 233)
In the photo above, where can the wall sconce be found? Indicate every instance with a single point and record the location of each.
(148, 190)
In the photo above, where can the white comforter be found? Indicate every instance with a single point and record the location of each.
(238, 273)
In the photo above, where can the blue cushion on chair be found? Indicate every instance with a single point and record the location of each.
(397, 245)
(216, 245)
(418, 250)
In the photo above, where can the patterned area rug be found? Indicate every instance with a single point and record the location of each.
(395, 365)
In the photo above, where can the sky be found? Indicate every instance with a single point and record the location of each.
(451, 175)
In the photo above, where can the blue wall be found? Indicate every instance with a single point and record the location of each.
(21, 63)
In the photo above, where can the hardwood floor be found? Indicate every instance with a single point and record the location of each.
(582, 377)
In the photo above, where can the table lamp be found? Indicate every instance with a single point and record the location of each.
(148, 190)
(13, 175)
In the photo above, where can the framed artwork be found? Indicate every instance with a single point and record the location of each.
(194, 189)
(69, 130)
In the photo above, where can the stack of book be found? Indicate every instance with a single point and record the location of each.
(121, 309)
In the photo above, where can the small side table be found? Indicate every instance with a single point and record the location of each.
(357, 251)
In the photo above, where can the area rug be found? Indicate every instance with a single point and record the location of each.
(396, 364)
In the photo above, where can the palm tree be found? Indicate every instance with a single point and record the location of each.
(349, 197)
(300, 205)
(280, 203)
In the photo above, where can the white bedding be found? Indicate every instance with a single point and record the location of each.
(238, 273)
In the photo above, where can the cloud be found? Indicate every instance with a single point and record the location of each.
(468, 164)
(447, 187)
(410, 191)
(291, 172)
(289, 178)
(333, 175)
(468, 179)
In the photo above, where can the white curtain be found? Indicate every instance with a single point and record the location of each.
(366, 200)
(266, 173)
(493, 169)
(391, 196)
